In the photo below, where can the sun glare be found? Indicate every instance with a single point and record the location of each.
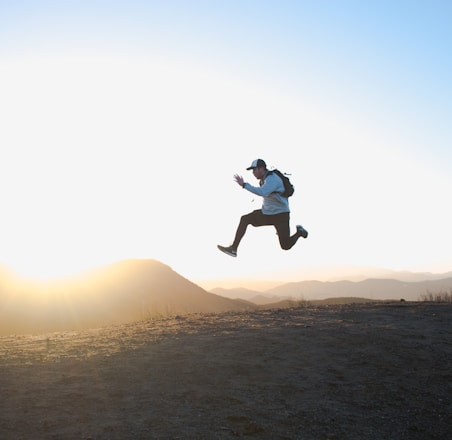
(46, 268)
(79, 137)
(87, 139)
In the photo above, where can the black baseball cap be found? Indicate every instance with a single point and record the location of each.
(257, 164)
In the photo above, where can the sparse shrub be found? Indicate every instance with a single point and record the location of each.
(302, 302)
(439, 297)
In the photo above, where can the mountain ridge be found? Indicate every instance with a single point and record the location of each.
(372, 288)
(133, 290)
(122, 292)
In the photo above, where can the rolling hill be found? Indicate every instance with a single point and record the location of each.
(122, 292)
(377, 289)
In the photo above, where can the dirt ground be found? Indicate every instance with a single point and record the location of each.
(358, 371)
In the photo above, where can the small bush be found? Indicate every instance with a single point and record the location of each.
(440, 297)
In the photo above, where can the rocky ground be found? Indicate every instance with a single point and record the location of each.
(357, 371)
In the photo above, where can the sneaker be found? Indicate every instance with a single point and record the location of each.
(228, 250)
(302, 231)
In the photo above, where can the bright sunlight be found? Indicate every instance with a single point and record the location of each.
(76, 131)
(89, 143)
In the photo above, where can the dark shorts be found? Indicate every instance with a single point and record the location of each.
(279, 221)
(258, 218)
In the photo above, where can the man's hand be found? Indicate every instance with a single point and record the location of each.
(239, 180)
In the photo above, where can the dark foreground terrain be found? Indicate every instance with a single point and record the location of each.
(359, 371)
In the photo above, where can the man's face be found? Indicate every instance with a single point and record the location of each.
(259, 172)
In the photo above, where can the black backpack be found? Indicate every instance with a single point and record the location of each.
(288, 187)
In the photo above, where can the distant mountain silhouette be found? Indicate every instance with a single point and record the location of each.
(253, 296)
(377, 289)
(371, 288)
(365, 273)
(235, 293)
(122, 292)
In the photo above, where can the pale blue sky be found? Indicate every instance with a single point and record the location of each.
(101, 100)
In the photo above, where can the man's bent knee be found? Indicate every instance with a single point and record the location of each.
(286, 246)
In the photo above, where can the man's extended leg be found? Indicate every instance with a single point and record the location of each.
(282, 227)
(255, 218)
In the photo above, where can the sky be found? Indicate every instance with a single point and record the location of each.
(122, 124)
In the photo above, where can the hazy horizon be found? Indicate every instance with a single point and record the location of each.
(331, 274)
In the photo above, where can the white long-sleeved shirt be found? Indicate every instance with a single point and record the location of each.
(271, 187)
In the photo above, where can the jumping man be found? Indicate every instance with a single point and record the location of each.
(275, 209)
